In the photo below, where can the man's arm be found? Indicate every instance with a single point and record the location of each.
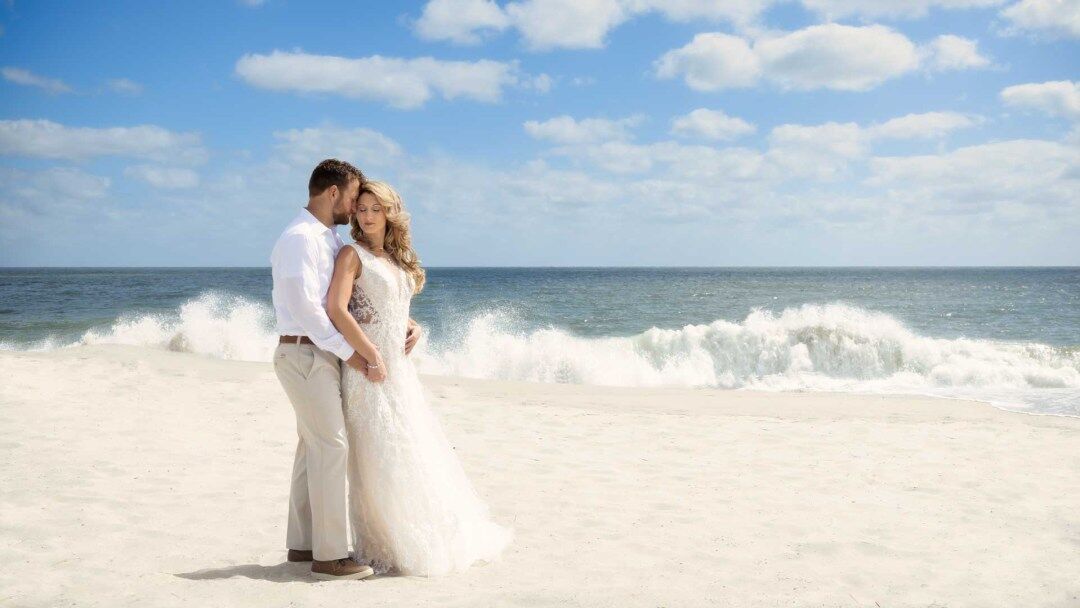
(301, 297)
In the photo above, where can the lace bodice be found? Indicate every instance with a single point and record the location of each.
(380, 301)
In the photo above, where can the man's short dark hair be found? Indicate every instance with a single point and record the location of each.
(332, 172)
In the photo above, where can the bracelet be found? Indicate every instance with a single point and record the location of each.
(373, 366)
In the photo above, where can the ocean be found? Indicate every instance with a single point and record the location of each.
(1006, 336)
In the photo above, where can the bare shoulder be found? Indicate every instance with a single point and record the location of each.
(348, 260)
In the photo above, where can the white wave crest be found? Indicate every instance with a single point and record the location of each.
(217, 325)
(834, 347)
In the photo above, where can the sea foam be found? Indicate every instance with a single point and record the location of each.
(833, 346)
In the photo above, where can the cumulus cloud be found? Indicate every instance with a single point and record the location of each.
(712, 61)
(304, 148)
(585, 24)
(29, 79)
(47, 139)
(923, 126)
(124, 86)
(609, 182)
(976, 178)
(1055, 97)
(824, 152)
(571, 24)
(402, 83)
(838, 9)
(1054, 18)
(168, 178)
(710, 124)
(25, 196)
(827, 56)
(547, 24)
(836, 56)
(950, 52)
(568, 130)
(460, 21)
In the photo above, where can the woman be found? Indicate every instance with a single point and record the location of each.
(411, 507)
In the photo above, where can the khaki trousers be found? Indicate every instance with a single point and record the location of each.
(318, 517)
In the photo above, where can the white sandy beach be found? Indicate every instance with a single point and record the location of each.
(140, 477)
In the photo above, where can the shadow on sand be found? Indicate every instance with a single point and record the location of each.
(285, 572)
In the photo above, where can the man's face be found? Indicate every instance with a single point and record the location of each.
(345, 203)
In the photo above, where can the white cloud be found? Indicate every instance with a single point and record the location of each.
(460, 21)
(822, 152)
(69, 183)
(27, 78)
(923, 126)
(125, 86)
(950, 52)
(827, 56)
(1051, 17)
(737, 12)
(978, 178)
(838, 9)
(571, 24)
(836, 56)
(541, 83)
(402, 83)
(568, 130)
(710, 124)
(574, 24)
(56, 191)
(821, 56)
(609, 185)
(47, 139)
(710, 62)
(169, 178)
(304, 148)
(827, 151)
(1056, 98)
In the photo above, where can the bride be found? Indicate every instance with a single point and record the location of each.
(412, 509)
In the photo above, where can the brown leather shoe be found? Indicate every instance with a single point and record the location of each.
(339, 569)
(299, 555)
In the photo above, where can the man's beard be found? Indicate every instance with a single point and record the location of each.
(340, 219)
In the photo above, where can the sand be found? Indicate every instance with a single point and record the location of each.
(139, 477)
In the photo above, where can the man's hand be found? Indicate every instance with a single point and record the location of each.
(412, 336)
(358, 363)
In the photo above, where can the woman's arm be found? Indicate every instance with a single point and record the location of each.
(346, 269)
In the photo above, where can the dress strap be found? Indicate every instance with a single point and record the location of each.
(360, 251)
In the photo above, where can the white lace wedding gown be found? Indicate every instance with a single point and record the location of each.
(412, 509)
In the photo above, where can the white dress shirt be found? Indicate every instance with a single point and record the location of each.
(302, 263)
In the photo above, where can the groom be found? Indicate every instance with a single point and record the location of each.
(307, 362)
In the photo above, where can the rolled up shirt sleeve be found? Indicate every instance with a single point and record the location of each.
(300, 283)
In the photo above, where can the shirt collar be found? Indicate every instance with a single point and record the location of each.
(309, 218)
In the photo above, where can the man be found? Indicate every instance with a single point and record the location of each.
(307, 362)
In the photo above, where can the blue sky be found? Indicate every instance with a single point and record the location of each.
(544, 132)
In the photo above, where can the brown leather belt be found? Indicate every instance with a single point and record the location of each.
(294, 340)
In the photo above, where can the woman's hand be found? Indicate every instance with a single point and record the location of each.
(376, 370)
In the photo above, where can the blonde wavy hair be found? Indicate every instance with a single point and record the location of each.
(397, 242)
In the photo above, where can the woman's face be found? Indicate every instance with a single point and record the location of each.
(370, 215)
